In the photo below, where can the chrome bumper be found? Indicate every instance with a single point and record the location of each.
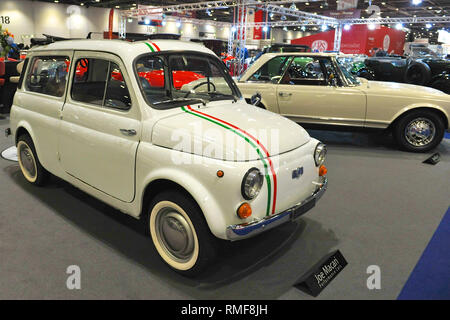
(247, 230)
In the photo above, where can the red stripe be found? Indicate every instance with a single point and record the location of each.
(157, 48)
(259, 144)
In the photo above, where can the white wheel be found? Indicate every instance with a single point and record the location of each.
(180, 233)
(27, 161)
(174, 235)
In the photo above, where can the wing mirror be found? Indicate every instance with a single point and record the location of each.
(256, 99)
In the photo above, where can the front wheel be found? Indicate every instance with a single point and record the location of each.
(419, 131)
(180, 233)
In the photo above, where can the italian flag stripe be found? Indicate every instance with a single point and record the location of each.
(255, 144)
(153, 47)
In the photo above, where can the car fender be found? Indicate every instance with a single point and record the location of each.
(24, 124)
(414, 106)
(207, 203)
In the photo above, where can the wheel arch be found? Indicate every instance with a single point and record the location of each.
(440, 112)
(178, 180)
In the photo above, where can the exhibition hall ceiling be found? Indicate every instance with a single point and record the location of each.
(389, 9)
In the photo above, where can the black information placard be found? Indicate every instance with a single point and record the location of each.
(434, 159)
(321, 274)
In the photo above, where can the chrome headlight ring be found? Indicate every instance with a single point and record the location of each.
(252, 184)
(320, 154)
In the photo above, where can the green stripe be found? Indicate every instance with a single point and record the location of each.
(269, 185)
(151, 48)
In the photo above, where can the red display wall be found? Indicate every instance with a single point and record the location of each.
(358, 40)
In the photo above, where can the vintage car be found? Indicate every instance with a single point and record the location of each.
(422, 67)
(193, 160)
(322, 91)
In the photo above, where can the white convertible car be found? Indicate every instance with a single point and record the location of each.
(316, 89)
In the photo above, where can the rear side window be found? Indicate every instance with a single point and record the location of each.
(100, 82)
(48, 75)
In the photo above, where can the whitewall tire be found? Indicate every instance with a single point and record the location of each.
(180, 233)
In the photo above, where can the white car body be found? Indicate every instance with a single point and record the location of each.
(371, 104)
(83, 144)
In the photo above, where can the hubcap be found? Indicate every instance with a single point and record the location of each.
(175, 234)
(27, 160)
(420, 132)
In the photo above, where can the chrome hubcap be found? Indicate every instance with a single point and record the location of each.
(175, 234)
(27, 160)
(420, 132)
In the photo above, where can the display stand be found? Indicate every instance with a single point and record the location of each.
(10, 154)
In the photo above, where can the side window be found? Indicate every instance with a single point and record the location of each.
(308, 71)
(151, 75)
(89, 80)
(272, 71)
(48, 75)
(117, 95)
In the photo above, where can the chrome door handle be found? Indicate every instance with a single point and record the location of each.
(284, 94)
(128, 132)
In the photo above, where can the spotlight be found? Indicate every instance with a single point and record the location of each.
(399, 26)
(371, 26)
(178, 24)
(265, 28)
(324, 27)
(347, 27)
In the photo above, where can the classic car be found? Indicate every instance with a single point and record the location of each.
(315, 88)
(422, 67)
(193, 160)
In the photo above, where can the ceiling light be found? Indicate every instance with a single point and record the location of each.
(347, 27)
(416, 2)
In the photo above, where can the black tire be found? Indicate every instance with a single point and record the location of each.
(159, 218)
(29, 163)
(401, 127)
(418, 73)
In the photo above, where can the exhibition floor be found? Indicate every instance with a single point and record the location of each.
(382, 208)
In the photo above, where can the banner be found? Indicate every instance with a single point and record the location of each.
(110, 24)
(257, 31)
(344, 14)
(358, 40)
(347, 4)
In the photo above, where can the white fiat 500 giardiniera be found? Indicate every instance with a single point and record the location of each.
(159, 130)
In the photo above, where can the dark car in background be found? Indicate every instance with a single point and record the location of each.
(423, 67)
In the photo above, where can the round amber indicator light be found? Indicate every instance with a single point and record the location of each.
(244, 211)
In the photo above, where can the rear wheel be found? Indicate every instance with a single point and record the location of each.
(29, 163)
(419, 131)
(180, 233)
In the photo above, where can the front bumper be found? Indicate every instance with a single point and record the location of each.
(247, 230)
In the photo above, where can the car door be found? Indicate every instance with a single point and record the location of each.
(264, 81)
(312, 92)
(100, 127)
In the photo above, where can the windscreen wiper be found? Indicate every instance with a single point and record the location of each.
(187, 100)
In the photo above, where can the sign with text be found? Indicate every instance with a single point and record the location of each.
(320, 275)
(347, 4)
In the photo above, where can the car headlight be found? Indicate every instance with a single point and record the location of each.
(320, 154)
(252, 183)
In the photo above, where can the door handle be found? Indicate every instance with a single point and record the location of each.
(284, 94)
(128, 132)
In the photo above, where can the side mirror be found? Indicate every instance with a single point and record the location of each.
(256, 99)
